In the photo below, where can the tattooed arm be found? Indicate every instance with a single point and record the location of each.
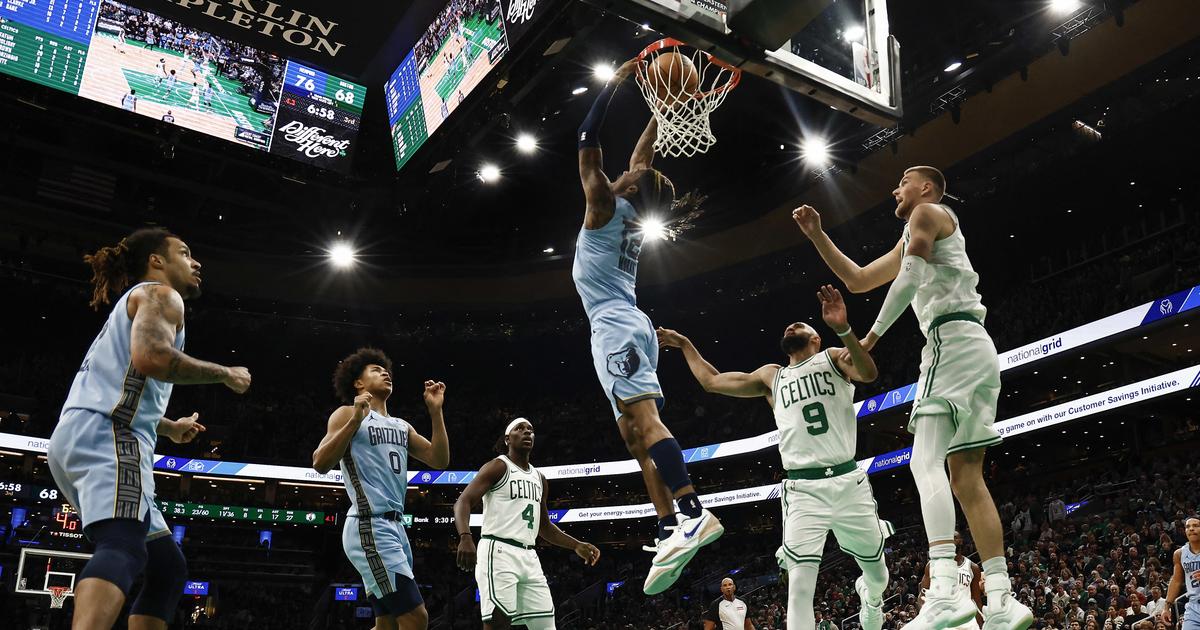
(157, 313)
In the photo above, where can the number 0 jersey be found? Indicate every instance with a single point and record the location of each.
(375, 466)
(512, 508)
(814, 409)
(606, 259)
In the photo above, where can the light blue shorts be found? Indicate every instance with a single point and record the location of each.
(378, 548)
(104, 470)
(625, 355)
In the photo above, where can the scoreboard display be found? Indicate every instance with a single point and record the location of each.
(126, 57)
(450, 59)
(175, 509)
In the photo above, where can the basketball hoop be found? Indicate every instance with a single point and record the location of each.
(681, 109)
(58, 595)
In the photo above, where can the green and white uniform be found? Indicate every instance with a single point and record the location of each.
(825, 490)
(507, 571)
(960, 374)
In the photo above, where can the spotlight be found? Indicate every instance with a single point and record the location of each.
(1064, 6)
(548, 250)
(654, 230)
(489, 173)
(854, 33)
(526, 143)
(579, 90)
(954, 65)
(604, 71)
(815, 151)
(341, 255)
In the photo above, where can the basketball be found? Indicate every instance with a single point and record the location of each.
(672, 76)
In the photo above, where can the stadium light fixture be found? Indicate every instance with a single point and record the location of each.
(548, 250)
(342, 255)
(579, 90)
(489, 173)
(954, 65)
(815, 151)
(1064, 6)
(604, 72)
(526, 143)
(854, 33)
(654, 229)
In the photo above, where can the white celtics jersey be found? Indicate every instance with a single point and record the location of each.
(965, 573)
(814, 409)
(949, 284)
(512, 509)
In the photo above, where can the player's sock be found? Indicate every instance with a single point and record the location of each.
(664, 523)
(690, 505)
(995, 575)
(875, 574)
(802, 587)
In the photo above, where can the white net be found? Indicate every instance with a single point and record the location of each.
(682, 88)
(58, 595)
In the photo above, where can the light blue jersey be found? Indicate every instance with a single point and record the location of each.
(375, 473)
(606, 260)
(624, 346)
(102, 451)
(375, 466)
(1191, 581)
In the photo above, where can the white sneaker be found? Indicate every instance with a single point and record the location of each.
(869, 617)
(946, 606)
(1004, 612)
(672, 554)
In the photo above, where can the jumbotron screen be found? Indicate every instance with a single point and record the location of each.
(455, 53)
(149, 65)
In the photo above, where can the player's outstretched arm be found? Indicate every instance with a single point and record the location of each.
(857, 279)
(855, 362)
(643, 153)
(183, 430)
(435, 452)
(736, 384)
(549, 532)
(340, 429)
(923, 227)
(597, 190)
(488, 477)
(158, 314)
(1175, 587)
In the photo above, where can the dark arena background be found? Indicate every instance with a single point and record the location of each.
(404, 175)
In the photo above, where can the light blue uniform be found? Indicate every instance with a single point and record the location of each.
(624, 347)
(1191, 580)
(102, 450)
(375, 473)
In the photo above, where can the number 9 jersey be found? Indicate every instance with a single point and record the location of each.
(814, 409)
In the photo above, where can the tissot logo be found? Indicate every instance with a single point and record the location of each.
(521, 11)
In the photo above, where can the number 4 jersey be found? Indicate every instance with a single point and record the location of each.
(375, 467)
(814, 409)
(512, 509)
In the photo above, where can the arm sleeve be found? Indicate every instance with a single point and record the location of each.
(900, 294)
(589, 130)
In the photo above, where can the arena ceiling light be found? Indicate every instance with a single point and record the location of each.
(654, 229)
(342, 255)
(489, 173)
(815, 151)
(526, 143)
(854, 33)
(579, 90)
(604, 71)
(953, 65)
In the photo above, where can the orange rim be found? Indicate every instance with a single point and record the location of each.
(668, 42)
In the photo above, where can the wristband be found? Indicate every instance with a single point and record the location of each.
(848, 332)
(461, 534)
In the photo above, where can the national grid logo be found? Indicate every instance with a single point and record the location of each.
(578, 471)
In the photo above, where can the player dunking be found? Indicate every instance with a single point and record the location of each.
(373, 449)
(955, 407)
(101, 453)
(512, 587)
(624, 348)
(813, 401)
(1186, 577)
(969, 578)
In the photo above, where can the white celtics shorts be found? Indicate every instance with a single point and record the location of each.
(960, 376)
(844, 505)
(510, 579)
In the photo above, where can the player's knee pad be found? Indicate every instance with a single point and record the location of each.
(405, 598)
(120, 552)
(166, 575)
